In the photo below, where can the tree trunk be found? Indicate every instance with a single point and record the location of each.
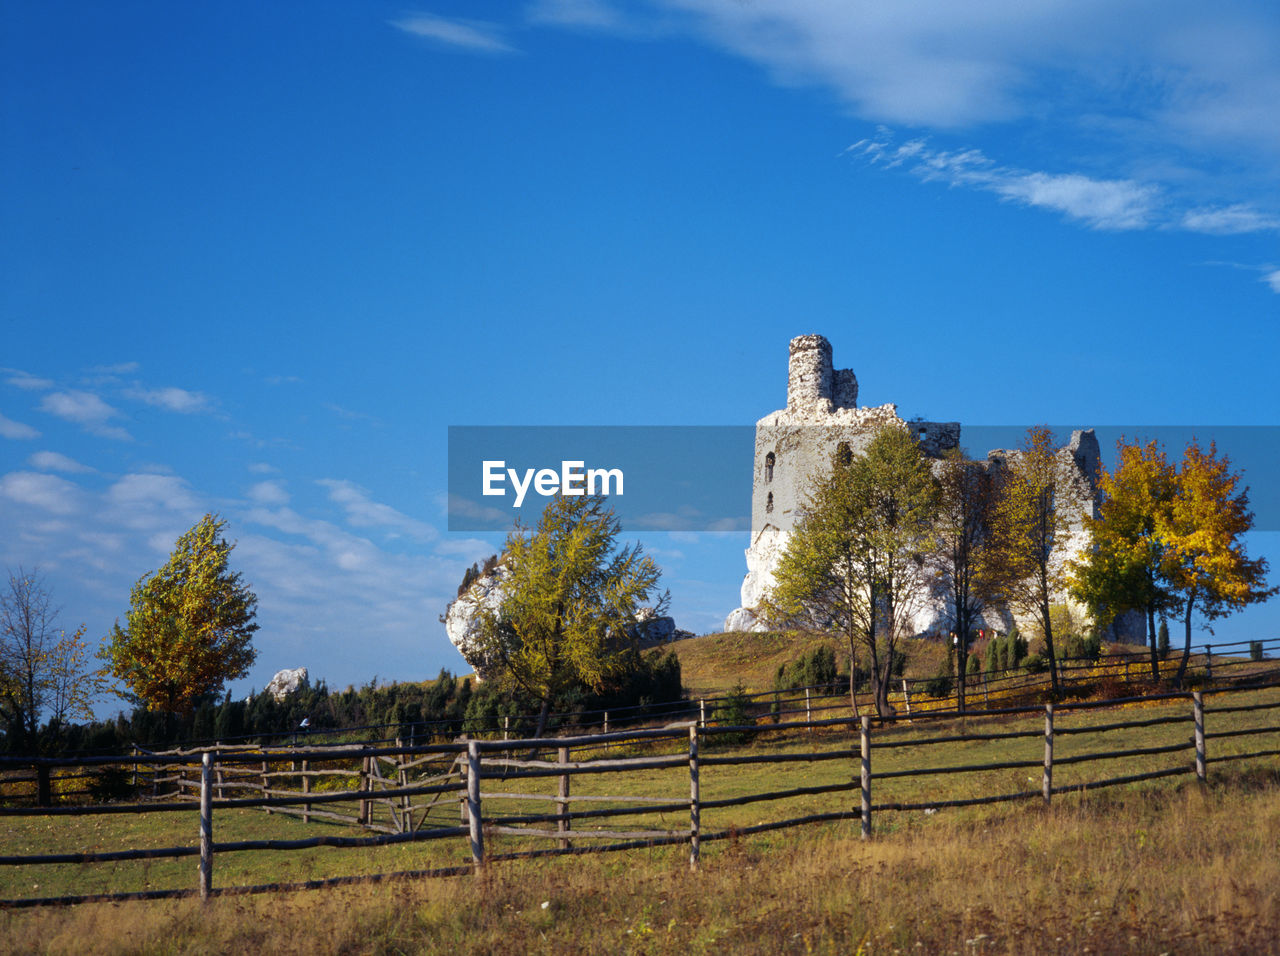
(543, 713)
(1186, 647)
(962, 661)
(1151, 637)
(1048, 645)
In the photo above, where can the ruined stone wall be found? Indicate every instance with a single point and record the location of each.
(796, 444)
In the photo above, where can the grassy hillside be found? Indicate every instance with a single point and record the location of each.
(714, 663)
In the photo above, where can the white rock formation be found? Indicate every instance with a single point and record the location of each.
(287, 682)
(462, 618)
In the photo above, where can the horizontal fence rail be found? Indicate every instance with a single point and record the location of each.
(484, 796)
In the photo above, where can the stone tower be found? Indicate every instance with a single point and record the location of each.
(822, 418)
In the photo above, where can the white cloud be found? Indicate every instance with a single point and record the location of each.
(262, 468)
(1099, 203)
(172, 399)
(137, 498)
(363, 512)
(16, 430)
(1273, 279)
(86, 410)
(1229, 220)
(473, 36)
(24, 380)
(269, 493)
(54, 461)
(48, 492)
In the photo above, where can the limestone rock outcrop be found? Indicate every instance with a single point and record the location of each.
(287, 682)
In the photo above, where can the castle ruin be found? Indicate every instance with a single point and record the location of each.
(822, 418)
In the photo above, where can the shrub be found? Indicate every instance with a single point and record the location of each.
(1035, 664)
(816, 669)
(1087, 646)
(734, 710)
(1255, 651)
(1163, 638)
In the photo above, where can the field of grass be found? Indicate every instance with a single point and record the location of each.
(1176, 869)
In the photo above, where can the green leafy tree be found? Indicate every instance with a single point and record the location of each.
(189, 627)
(1031, 534)
(1207, 567)
(44, 671)
(569, 600)
(1125, 567)
(853, 562)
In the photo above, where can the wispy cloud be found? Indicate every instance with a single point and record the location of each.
(363, 512)
(86, 410)
(1229, 220)
(271, 493)
(46, 492)
(55, 461)
(26, 381)
(178, 400)
(1098, 203)
(16, 430)
(1273, 279)
(471, 36)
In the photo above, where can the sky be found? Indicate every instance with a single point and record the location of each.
(258, 259)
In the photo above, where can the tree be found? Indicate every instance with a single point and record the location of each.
(43, 670)
(567, 618)
(1207, 567)
(1124, 568)
(854, 560)
(963, 553)
(1031, 533)
(190, 625)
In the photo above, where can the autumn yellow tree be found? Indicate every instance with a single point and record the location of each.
(1207, 567)
(1128, 561)
(189, 627)
(570, 595)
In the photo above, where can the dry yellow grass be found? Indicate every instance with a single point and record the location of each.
(1180, 870)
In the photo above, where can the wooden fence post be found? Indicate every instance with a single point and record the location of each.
(866, 777)
(906, 696)
(606, 721)
(306, 788)
(1047, 786)
(506, 727)
(363, 786)
(808, 710)
(695, 801)
(1197, 705)
(1208, 663)
(702, 712)
(44, 786)
(473, 804)
(266, 785)
(562, 800)
(402, 780)
(206, 825)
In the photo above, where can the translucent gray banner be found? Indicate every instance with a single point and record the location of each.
(699, 478)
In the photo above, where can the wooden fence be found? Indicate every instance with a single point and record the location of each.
(460, 790)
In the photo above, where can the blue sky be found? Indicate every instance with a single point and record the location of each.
(257, 259)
